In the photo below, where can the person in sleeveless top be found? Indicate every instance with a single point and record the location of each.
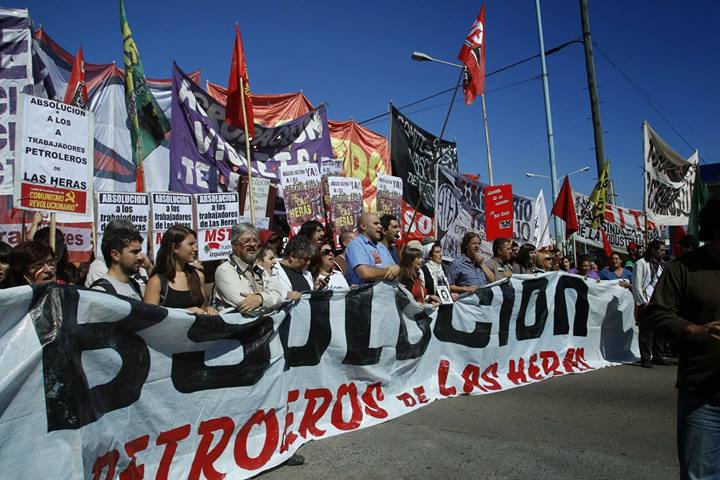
(176, 283)
(322, 266)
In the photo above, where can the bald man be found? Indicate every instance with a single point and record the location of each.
(368, 260)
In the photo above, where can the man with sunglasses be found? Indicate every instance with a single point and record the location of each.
(238, 283)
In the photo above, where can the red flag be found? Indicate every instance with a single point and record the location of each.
(76, 93)
(564, 208)
(472, 54)
(238, 78)
(606, 243)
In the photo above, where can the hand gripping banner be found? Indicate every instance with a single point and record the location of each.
(103, 387)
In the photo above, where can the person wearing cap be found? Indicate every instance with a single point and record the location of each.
(368, 260)
(271, 239)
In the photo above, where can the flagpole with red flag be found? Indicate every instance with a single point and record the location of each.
(564, 208)
(238, 111)
(472, 54)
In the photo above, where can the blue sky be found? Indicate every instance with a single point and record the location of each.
(355, 56)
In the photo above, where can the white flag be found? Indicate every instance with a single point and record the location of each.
(541, 233)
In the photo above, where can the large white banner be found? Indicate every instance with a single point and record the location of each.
(622, 226)
(100, 386)
(669, 180)
(54, 157)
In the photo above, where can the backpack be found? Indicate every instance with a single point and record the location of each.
(108, 287)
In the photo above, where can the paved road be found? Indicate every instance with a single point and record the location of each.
(614, 423)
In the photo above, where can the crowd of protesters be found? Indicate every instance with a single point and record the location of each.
(676, 303)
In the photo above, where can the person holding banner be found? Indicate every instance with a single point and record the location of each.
(122, 250)
(499, 265)
(615, 271)
(367, 258)
(176, 283)
(322, 266)
(468, 272)
(391, 234)
(412, 276)
(293, 274)
(433, 269)
(237, 283)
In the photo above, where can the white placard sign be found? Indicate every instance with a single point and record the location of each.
(168, 209)
(53, 157)
(132, 207)
(261, 192)
(215, 216)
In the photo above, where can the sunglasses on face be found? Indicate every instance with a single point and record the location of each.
(326, 252)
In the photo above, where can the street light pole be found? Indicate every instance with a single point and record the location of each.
(548, 121)
(424, 57)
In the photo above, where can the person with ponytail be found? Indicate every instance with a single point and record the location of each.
(176, 282)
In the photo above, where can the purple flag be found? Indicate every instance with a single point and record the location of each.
(208, 155)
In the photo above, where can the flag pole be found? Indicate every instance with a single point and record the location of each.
(442, 132)
(53, 223)
(487, 140)
(247, 152)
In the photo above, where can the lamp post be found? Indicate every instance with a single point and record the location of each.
(424, 57)
(537, 175)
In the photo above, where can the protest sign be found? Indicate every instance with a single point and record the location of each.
(168, 209)
(498, 212)
(261, 195)
(415, 153)
(388, 199)
(157, 389)
(215, 216)
(622, 225)
(346, 204)
(669, 180)
(131, 207)
(303, 194)
(328, 167)
(53, 157)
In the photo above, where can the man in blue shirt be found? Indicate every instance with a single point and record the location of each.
(468, 272)
(369, 260)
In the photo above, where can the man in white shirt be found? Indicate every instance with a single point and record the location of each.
(241, 284)
(98, 268)
(645, 276)
(122, 250)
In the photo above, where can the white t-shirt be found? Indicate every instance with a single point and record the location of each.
(121, 288)
(98, 269)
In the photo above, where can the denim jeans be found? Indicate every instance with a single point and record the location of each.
(698, 436)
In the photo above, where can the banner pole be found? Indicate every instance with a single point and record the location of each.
(487, 140)
(247, 153)
(53, 222)
(442, 132)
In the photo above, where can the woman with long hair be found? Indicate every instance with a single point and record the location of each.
(566, 264)
(322, 266)
(412, 278)
(432, 269)
(313, 231)
(615, 269)
(176, 282)
(525, 259)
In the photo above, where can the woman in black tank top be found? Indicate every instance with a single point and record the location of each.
(176, 282)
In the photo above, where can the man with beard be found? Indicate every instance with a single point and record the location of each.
(122, 250)
(367, 258)
(391, 234)
(238, 283)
